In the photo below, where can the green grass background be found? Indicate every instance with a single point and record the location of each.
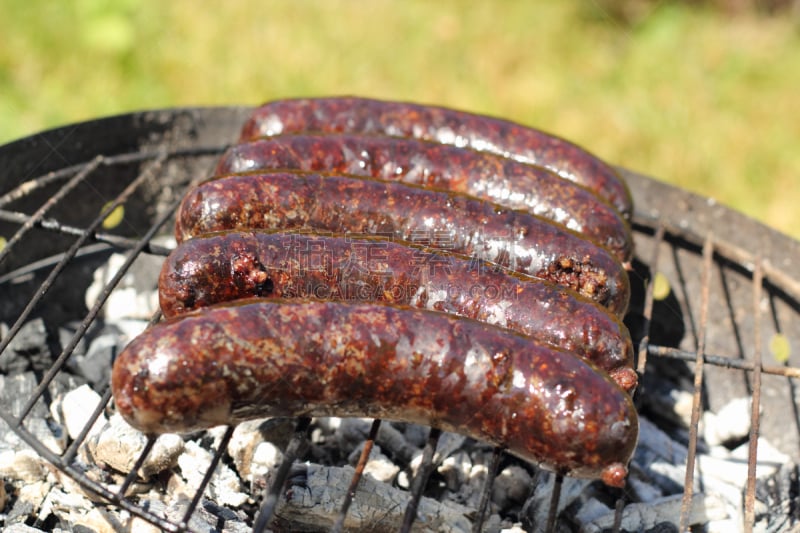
(703, 100)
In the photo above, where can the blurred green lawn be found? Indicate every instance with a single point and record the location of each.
(707, 102)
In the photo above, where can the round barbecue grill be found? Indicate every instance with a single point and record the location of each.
(715, 315)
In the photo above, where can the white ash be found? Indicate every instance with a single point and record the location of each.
(730, 424)
(23, 465)
(456, 470)
(448, 443)
(75, 509)
(28, 501)
(74, 409)
(225, 486)
(136, 294)
(207, 518)
(252, 455)
(118, 445)
(21, 528)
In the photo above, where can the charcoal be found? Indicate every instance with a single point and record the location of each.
(95, 366)
(225, 486)
(207, 518)
(376, 506)
(511, 486)
(118, 445)
(28, 350)
(537, 507)
(661, 513)
(779, 495)
(28, 501)
(94, 362)
(75, 408)
(455, 470)
(14, 393)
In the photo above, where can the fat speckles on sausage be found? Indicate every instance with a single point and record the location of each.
(234, 362)
(229, 266)
(483, 175)
(443, 125)
(521, 241)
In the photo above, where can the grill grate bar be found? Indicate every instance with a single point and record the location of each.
(688, 488)
(212, 467)
(45, 207)
(649, 299)
(53, 225)
(30, 268)
(70, 452)
(420, 480)
(752, 453)
(23, 189)
(486, 490)
(134, 473)
(87, 321)
(552, 511)
(293, 451)
(725, 362)
(728, 252)
(87, 483)
(338, 526)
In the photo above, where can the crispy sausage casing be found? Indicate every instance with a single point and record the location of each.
(229, 266)
(521, 241)
(487, 176)
(442, 125)
(229, 363)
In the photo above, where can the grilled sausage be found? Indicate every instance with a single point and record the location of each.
(229, 363)
(484, 175)
(229, 266)
(521, 241)
(442, 125)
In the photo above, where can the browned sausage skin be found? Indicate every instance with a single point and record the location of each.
(518, 240)
(442, 125)
(487, 176)
(229, 363)
(228, 266)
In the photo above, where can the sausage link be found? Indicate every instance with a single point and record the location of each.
(515, 239)
(230, 363)
(484, 175)
(446, 126)
(229, 266)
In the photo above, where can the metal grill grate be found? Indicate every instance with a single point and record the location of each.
(732, 289)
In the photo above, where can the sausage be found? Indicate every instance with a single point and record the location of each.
(234, 265)
(515, 239)
(484, 175)
(442, 125)
(233, 362)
